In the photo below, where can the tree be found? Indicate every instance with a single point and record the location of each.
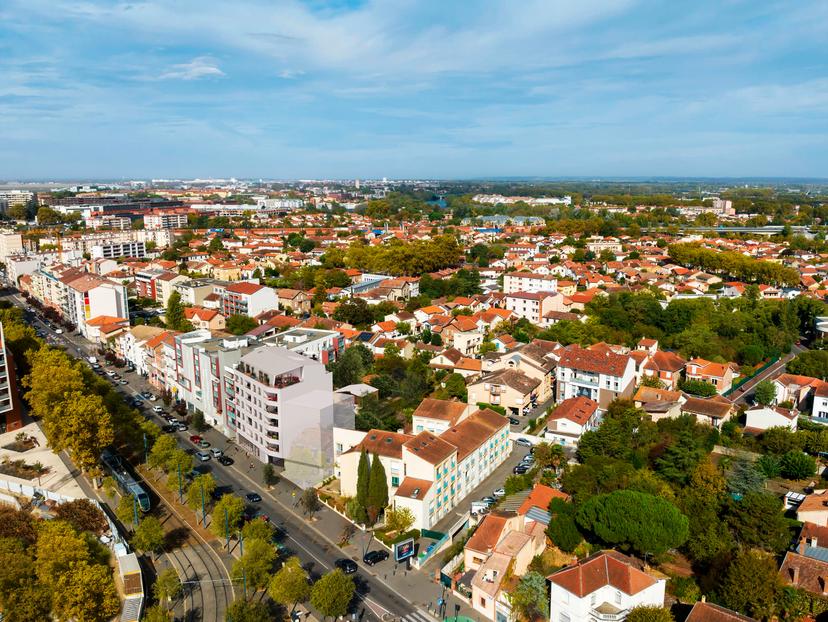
(530, 600)
(269, 477)
(751, 584)
(215, 245)
(698, 387)
(240, 324)
(812, 363)
(363, 480)
(648, 613)
(82, 515)
(680, 458)
(744, 477)
(547, 455)
(310, 501)
(86, 593)
(290, 585)
(174, 316)
(399, 519)
(377, 490)
(255, 564)
(48, 216)
(797, 465)
(349, 369)
(162, 449)
(354, 311)
(167, 586)
(332, 594)
(157, 613)
(198, 422)
(756, 520)
(126, 510)
(149, 535)
(455, 386)
(562, 529)
(201, 490)
(247, 611)
(765, 393)
(227, 511)
(18, 212)
(640, 521)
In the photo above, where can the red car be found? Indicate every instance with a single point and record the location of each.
(195, 438)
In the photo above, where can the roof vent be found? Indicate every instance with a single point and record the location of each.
(415, 493)
(373, 437)
(388, 439)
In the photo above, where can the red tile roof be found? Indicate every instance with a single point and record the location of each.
(593, 361)
(601, 569)
(577, 409)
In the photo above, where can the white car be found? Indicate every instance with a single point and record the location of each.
(157, 409)
(500, 492)
(204, 456)
(217, 453)
(525, 442)
(152, 398)
(58, 331)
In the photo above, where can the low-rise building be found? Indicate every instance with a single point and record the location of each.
(570, 419)
(600, 375)
(720, 375)
(761, 418)
(245, 298)
(508, 388)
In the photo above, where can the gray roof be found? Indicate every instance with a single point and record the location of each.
(274, 360)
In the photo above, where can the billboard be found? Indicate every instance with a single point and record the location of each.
(404, 550)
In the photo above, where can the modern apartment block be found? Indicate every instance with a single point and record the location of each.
(10, 244)
(165, 220)
(528, 282)
(113, 250)
(245, 298)
(282, 408)
(10, 413)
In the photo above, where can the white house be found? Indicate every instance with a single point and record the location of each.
(762, 418)
(603, 586)
(599, 374)
(820, 407)
(571, 419)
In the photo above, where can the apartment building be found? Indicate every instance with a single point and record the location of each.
(537, 359)
(514, 282)
(245, 298)
(10, 244)
(534, 306)
(599, 374)
(11, 417)
(164, 220)
(131, 346)
(113, 250)
(603, 586)
(282, 408)
(193, 292)
(509, 388)
(429, 473)
(9, 198)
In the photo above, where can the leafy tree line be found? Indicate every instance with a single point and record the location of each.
(406, 258)
(733, 264)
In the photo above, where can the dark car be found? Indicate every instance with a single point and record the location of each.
(220, 491)
(375, 557)
(225, 460)
(169, 428)
(520, 469)
(348, 566)
(514, 421)
(253, 497)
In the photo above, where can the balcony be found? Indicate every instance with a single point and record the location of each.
(607, 612)
(586, 379)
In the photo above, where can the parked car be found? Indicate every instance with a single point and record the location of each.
(195, 438)
(514, 421)
(253, 497)
(122, 381)
(168, 428)
(146, 394)
(220, 491)
(152, 398)
(203, 444)
(217, 453)
(180, 426)
(348, 566)
(523, 442)
(500, 492)
(520, 469)
(375, 557)
(204, 456)
(225, 460)
(489, 500)
(157, 410)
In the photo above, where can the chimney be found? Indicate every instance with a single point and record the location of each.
(704, 598)
(795, 575)
(802, 546)
(814, 541)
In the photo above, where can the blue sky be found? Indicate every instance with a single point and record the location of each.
(412, 88)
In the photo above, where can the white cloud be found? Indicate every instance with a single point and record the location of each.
(199, 67)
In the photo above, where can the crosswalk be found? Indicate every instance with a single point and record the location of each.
(418, 616)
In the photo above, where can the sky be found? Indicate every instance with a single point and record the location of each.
(412, 88)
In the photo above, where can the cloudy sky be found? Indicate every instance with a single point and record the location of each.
(413, 88)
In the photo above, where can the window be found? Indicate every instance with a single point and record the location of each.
(395, 481)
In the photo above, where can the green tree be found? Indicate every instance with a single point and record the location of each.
(399, 519)
(363, 479)
(197, 421)
(256, 563)
(215, 245)
(157, 613)
(230, 507)
(332, 594)
(202, 488)
(85, 592)
(756, 520)
(698, 387)
(82, 515)
(269, 477)
(765, 393)
(349, 369)
(247, 611)
(563, 529)
(812, 363)
(680, 457)
(174, 316)
(547, 455)
(48, 216)
(126, 510)
(455, 386)
(149, 535)
(377, 490)
(258, 529)
(240, 324)
(751, 584)
(647, 613)
(167, 586)
(640, 521)
(290, 585)
(310, 501)
(797, 465)
(530, 599)
(744, 477)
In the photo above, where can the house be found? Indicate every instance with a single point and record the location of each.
(294, 299)
(200, 317)
(761, 418)
(820, 405)
(712, 411)
(602, 375)
(537, 359)
(510, 388)
(535, 508)
(814, 509)
(463, 334)
(795, 389)
(720, 375)
(666, 366)
(807, 567)
(570, 419)
(534, 306)
(703, 611)
(603, 586)
(437, 416)
(658, 403)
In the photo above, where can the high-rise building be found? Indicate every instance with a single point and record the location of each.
(10, 414)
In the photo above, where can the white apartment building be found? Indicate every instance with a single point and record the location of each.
(282, 408)
(820, 405)
(114, 250)
(602, 587)
(570, 419)
(8, 198)
(528, 282)
(599, 374)
(91, 296)
(428, 473)
(534, 305)
(10, 244)
(165, 220)
(245, 298)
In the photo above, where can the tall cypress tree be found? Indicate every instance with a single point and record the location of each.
(363, 479)
(377, 490)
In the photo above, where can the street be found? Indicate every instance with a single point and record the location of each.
(314, 543)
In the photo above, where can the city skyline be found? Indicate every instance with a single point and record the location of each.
(411, 90)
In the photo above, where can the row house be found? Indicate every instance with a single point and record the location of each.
(429, 473)
(650, 361)
(599, 374)
(454, 361)
(209, 319)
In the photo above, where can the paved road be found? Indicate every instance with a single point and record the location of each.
(379, 594)
(745, 391)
